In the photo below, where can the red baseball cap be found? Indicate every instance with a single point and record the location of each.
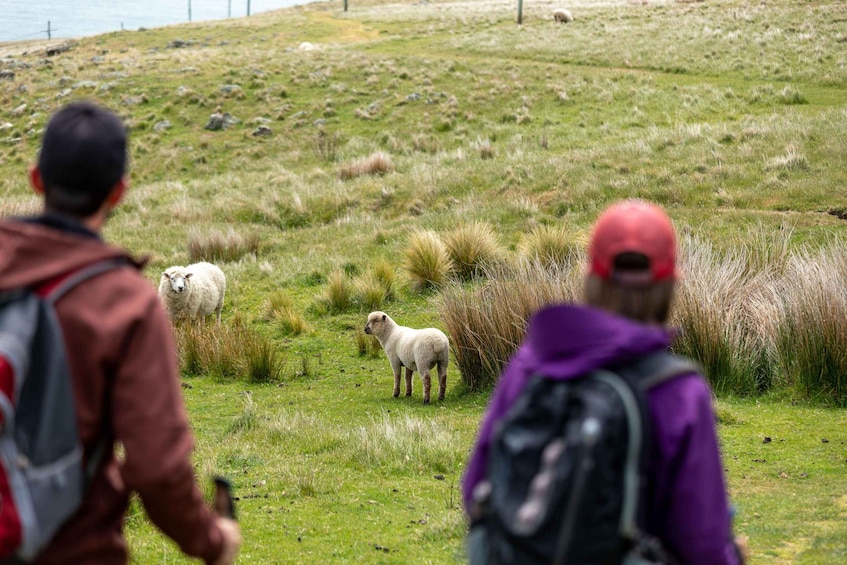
(634, 226)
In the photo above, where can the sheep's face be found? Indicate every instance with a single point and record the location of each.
(375, 322)
(177, 280)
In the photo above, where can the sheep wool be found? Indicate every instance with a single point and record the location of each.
(193, 292)
(416, 350)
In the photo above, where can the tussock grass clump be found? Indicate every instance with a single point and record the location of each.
(812, 335)
(485, 149)
(550, 245)
(724, 307)
(280, 309)
(428, 263)
(325, 145)
(228, 352)
(471, 247)
(221, 246)
(378, 163)
(488, 322)
(367, 345)
(791, 160)
(384, 271)
(370, 293)
(338, 293)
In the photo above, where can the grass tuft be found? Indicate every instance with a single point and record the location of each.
(428, 263)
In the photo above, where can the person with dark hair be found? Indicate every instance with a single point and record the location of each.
(628, 291)
(120, 349)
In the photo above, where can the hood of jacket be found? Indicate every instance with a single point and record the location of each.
(567, 341)
(32, 254)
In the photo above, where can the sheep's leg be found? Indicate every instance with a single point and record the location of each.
(397, 370)
(427, 384)
(408, 382)
(442, 380)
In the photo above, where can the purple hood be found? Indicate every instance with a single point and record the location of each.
(688, 509)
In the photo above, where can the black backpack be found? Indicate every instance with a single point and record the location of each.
(566, 467)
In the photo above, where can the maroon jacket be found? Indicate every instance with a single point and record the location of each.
(126, 383)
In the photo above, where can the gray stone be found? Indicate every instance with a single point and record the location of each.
(162, 126)
(262, 131)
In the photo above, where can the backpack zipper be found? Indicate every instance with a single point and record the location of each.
(589, 433)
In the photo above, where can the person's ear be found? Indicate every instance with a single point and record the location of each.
(36, 181)
(118, 192)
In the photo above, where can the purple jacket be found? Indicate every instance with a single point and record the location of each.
(688, 507)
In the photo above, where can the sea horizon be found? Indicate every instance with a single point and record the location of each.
(56, 19)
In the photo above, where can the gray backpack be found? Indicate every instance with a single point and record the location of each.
(42, 475)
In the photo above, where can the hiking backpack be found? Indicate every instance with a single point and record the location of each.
(566, 469)
(42, 476)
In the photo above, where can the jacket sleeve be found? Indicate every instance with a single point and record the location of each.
(692, 508)
(149, 420)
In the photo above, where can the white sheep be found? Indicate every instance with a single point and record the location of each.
(416, 350)
(193, 292)
(562, 16)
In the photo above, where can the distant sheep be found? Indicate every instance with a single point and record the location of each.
(562, 16)
(416, 350)
(193, 292)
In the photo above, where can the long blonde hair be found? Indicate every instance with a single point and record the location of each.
(650, 303)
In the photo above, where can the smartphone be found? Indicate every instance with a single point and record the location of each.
(224, 504)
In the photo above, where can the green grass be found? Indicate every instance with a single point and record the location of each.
(729, 113)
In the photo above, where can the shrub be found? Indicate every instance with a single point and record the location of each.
(427, 261)
(471, 247)
(220, 246)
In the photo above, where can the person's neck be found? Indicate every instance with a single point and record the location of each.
(94, 223)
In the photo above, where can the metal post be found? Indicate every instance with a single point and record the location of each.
(229, 9)
(248, 7)
(189, 10)
(345, 5)
(48, 30)
(520, 12)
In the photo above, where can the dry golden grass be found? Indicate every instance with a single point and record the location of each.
(378, 163)
(428, 263)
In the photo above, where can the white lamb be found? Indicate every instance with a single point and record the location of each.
(562, 16)
(416, 350)
(193, 292)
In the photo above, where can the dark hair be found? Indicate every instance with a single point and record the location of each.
(83, 156)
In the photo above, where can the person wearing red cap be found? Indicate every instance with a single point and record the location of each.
(628, 291)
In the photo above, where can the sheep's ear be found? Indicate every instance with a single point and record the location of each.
(384, 316)
(166, 275)
(188, 275)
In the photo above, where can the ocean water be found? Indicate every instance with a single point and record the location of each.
(28, 19)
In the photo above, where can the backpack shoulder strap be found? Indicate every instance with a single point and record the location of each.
(53, 296)
(659, 367)
(83, 275)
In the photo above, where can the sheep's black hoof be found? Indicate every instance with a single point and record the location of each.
(396, 394)
(426, 400)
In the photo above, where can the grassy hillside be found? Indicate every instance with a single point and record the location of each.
(729, 113)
